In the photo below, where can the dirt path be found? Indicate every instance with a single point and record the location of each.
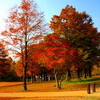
(49, 94)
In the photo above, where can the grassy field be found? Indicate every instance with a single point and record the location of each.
(2, 84)
(9, 87)
(49, 86)
(83, 80)
(53, 98)
(62, 98)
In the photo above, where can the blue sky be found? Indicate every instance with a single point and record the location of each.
(53, 7)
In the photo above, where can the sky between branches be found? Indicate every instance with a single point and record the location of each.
(53, 7)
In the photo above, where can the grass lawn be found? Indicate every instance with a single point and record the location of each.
(83, 80)
(82, 84)
(53, 98)
(9, 87)
(2, 84)
(49, 86)
(61, 98)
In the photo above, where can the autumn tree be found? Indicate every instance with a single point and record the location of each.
(55, 54)
(37, 67)
(77, 27)
(18, 68)
(33, 64)
(24, 27)
(4, 62)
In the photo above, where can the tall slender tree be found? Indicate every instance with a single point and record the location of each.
(24, 27)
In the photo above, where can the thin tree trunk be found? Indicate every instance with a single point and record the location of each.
(79, 73)
(28, 80)
(24, 78)
(58, 85)
(89, 71)
(32, 79)
(85, 73)
(26, 64)
(68, 75)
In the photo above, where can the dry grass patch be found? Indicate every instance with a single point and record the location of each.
(61, 98)
(9, 98)
(40, 87)
(10, 83)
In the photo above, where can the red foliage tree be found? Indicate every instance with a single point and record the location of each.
(24, 27)
(55, 54)
(77, 27)
(4, 62)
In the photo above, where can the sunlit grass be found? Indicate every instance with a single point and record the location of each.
(10, 83)
(83, 80)
(61, 98)
(49, 86)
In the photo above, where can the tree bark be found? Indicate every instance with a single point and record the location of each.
(26, 64)
(33, 79)
(89, 71)
(85, 73)
(79, 73)
(68, 75)
(58, 84)
(24, 78)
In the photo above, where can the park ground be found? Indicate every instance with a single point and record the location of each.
(48, 91)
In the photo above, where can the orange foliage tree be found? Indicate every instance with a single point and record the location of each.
(4, 62)
(55, 54)
(18, 68)
(33, 64)
(77, 27)
(25, 25)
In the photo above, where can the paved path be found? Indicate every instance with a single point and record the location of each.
(49, 94)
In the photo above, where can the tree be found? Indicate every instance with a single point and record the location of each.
(24, 27)
(4, 62)
(55, 54)
(33, 64)
(18, 68)
(77, 27)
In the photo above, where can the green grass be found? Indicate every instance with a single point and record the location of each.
(88, 80)
(76, 84)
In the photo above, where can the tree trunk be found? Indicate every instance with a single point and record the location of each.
(24, 78)
(89, 71)
(58, 84)
(26, 63)
(79, 73)
(33, 79)
(68, 75)
(44, 77)
(85, 73)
